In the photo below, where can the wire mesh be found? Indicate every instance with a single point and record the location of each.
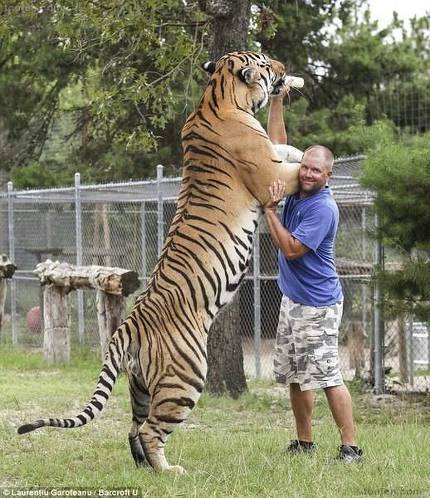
(406, 103)
(122, 225)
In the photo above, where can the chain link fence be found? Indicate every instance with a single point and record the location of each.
(124, 225)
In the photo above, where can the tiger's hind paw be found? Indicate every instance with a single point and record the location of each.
(137, 451)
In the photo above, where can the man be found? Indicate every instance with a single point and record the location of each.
(306, 355)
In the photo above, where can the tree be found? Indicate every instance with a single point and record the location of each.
(124, 66)
(30, 80)
(399, 172)
(354, 71)
(110, 84)
(229, 23)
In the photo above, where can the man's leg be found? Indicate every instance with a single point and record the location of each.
(302, 403)
(340, 403)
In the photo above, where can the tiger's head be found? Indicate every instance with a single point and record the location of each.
(244, 80)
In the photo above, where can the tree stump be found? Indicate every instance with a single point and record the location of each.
(7, 269)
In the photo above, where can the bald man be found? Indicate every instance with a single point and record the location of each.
(306, 354)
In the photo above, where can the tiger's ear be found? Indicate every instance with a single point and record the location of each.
(249, 75)
(209, 67)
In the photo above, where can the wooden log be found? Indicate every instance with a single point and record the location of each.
(7, 269)
(56, 339)
(110, 315)
(3, 290)
(118, 281)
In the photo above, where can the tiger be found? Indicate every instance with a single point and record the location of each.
(228, 165)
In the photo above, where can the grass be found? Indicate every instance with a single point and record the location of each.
(230, 448)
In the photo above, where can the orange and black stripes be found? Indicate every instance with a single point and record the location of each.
(162, 343)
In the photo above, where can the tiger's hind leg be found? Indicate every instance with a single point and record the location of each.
(169, 407)
(140, 402)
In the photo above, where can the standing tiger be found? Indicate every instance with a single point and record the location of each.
(229, 163)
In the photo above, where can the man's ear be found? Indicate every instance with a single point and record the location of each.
(209, 67)
(249, 75)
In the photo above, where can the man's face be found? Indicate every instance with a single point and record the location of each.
(313, 173)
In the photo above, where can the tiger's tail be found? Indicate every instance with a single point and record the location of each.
(118, 347)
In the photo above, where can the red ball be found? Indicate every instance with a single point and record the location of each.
(34, 320)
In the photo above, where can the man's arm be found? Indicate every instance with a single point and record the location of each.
(290, 247)
(275, 122)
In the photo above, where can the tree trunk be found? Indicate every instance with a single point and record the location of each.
(229, 25)
(228, 32)
(225, 354)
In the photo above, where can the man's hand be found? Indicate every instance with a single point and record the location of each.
(277, 193)
(290, 247)
(283, 92)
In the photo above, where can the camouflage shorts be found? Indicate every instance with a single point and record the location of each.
(306, 350)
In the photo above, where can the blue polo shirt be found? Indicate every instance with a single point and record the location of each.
(312, 279)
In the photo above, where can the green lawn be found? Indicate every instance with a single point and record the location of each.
(229, 448)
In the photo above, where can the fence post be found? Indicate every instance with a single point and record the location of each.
(11, 234)
(160, 210)
(379, 321)
(257, 304)
(410, 349)
(143, 240)
(78, 220)
(364, 258)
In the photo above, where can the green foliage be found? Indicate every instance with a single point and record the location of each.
(338, 128)
(109, 86)
(126, 62)
(408, 290)
(400, 175)
(355, 73)
(38, 175)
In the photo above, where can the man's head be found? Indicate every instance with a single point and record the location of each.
(315, 169)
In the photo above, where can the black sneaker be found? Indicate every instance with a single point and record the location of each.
(297, 446)
(350, 454)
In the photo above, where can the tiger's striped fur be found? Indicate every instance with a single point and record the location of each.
(229, 163)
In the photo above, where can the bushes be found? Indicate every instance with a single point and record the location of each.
(399, 172)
